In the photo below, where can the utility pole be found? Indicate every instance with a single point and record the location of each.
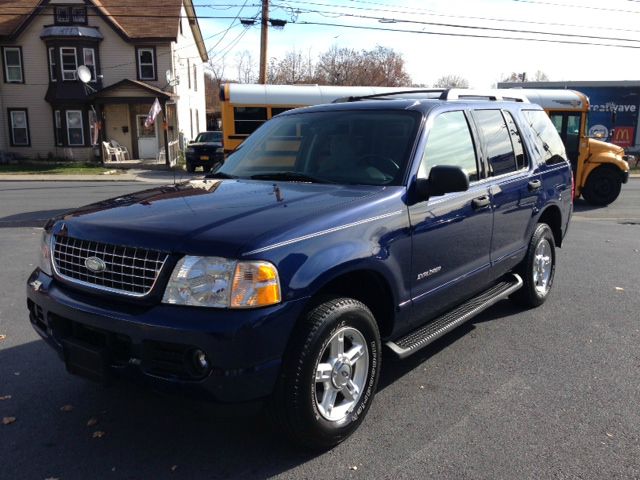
(263, 42)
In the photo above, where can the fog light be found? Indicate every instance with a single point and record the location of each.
(200, 362)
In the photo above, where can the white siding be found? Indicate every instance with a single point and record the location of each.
(188, 99)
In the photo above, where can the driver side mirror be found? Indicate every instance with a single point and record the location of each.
(442, 179)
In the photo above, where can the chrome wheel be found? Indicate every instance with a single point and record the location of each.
(542, 267)
(341, 373)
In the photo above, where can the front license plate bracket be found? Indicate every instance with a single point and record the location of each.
(86, 361)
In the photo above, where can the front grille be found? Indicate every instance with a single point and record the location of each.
(127, 270)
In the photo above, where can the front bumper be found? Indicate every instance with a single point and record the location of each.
(198, 158)
(154, 345)
(625, 176)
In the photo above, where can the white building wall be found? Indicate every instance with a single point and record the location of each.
(190, 89)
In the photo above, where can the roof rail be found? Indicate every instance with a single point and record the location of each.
(416, 91)
(492, 95)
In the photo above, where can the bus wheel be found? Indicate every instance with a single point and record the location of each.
(603, 186)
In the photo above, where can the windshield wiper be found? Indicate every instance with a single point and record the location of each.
(219, 175)
(289, 176)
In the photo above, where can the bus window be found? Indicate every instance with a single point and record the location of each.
(248, 119)
(278, 110)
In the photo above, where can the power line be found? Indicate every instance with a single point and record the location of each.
(466, 17)
(475, 27)
(466, 35)
(573, 5)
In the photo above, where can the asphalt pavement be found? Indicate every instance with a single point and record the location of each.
(546, 393)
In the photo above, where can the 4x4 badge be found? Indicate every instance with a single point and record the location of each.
(95, 264)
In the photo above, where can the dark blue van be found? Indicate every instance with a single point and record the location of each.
(331, 232)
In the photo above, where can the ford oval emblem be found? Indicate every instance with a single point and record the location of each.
(95, 264)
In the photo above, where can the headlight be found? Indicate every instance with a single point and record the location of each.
(219, 282)
(45, 253)
(190, 150)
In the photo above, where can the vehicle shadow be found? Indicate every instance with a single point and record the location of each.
(581, 205)
(394, 368)
(144, 434)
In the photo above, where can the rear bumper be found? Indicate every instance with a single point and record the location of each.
(154, 345)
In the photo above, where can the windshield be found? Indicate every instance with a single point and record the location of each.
(367, 147)
(209, 137)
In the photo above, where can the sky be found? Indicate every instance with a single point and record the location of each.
(614, 25)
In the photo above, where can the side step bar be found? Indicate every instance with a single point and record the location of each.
(428, 333)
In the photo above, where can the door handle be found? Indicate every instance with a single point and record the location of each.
(535, 185)
(480, 202)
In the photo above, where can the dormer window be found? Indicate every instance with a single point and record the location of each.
(68, 15)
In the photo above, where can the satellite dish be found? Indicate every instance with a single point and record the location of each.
(84, 74)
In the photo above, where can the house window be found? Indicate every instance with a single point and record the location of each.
(79, 15)
(146, 63)
(75, 128)
(67, 15)
(19, 122)
(62, 15)
(89, 56)
(52, 64)
(12, 64)
(58, 119)
(188, 73)
(195, 78)
(69, 63)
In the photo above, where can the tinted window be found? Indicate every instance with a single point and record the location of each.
(352, 147)
(497, 141)
(450, 143)
(213, 137)
(248, 119)
(516, 142)
(547, 142)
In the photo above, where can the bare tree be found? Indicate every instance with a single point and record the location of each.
(539, 76)
(378, 67)
(246, 67)
(293, 68)
(451, 81)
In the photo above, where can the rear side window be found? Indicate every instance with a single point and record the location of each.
(450, 143)
(516, 142)
(497, 141)
(547, 143)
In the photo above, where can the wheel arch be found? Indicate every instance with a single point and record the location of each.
(366, 285)
(552, 216)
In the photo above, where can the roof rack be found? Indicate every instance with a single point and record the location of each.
(446, 94)
(389, 94)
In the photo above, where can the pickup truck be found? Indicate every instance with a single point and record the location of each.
(333, 232)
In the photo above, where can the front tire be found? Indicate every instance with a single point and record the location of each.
(602, 187)
(537, 269)
(329, 374)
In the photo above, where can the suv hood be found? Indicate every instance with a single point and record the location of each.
(209, 217)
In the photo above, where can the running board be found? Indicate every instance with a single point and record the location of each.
(428, 333)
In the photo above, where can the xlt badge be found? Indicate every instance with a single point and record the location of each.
(428, 273)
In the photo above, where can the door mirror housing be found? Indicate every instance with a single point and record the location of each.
(442, 179)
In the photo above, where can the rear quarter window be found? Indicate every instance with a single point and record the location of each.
(546, 141)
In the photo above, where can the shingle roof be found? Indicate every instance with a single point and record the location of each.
(130, 17)
(14, 12)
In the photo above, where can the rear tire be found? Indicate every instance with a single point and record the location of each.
(329, 374)
(602, 187)
(537, 269)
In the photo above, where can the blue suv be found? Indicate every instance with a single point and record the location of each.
(332, 232)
